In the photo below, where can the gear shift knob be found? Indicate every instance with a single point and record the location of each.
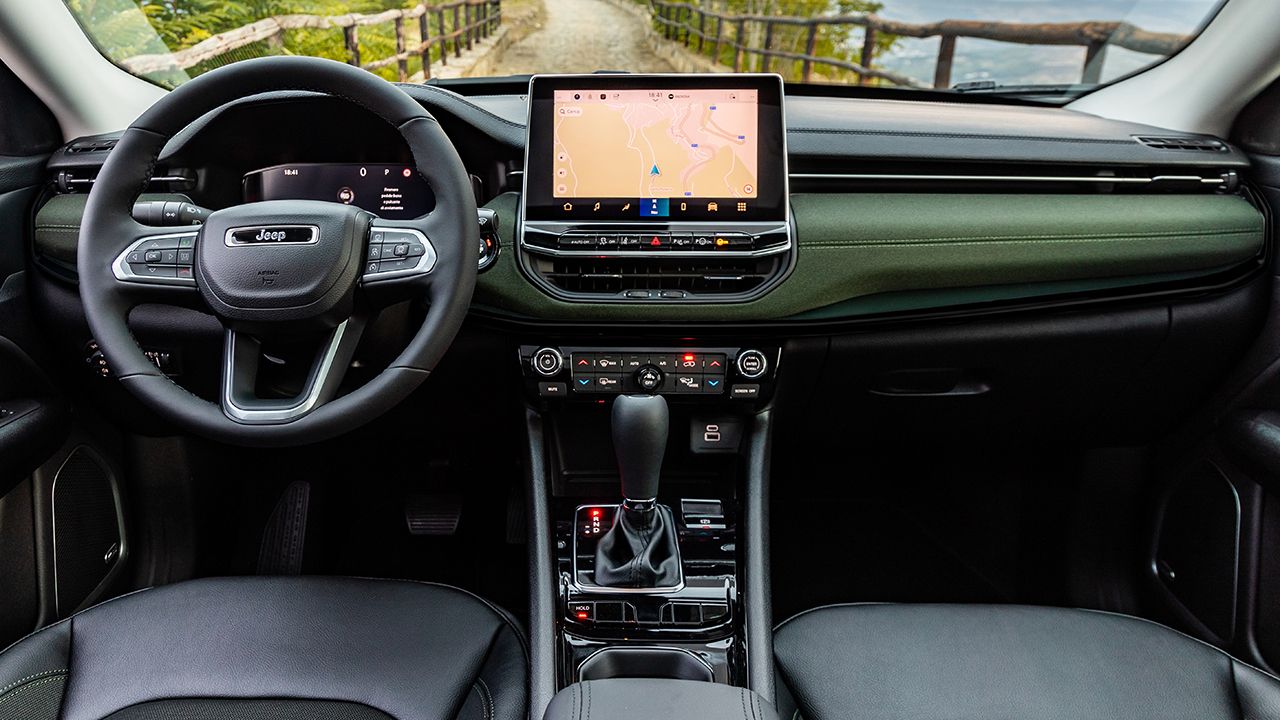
(640, 424)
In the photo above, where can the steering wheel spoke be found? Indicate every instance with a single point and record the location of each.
(242, 358)
(158, 259)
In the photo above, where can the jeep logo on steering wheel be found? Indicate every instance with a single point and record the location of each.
(273, 235)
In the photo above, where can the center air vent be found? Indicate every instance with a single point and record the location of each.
(709, 276)
(660, 279)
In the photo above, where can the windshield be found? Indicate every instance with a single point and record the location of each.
(964, 45)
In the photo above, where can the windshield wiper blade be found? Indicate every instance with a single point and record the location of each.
(989, 87)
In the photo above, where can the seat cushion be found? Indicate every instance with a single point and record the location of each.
(278, 648)
(1007, 662)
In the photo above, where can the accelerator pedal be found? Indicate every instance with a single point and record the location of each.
(285, 536)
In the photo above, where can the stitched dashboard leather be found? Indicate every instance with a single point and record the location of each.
(858, 246)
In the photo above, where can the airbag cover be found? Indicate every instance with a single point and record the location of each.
(281, 260)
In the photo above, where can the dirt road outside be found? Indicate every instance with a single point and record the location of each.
(580, 36)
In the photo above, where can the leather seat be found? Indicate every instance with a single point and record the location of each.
(273, 649)
(984, 662)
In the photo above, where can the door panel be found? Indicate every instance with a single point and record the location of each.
(34, 416)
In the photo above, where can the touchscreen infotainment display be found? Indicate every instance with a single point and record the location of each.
(654, 144)
(388, 191)
(677, 148)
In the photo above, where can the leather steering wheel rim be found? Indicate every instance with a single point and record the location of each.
(108, 227)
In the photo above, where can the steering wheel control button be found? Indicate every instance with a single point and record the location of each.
(160, 259)
(398, 252)
(548, 362)
(752, 364)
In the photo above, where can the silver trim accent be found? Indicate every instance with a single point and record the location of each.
(120, 268)
(533, 361)
(425, 264)
(1091, 180)
(306, 402)
(230, 241)
(641, 506)
(602, 590)
(764, 364)
(766, 252)
(154, 179)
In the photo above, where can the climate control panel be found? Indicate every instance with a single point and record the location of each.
(587, 373)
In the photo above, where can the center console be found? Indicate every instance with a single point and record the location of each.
(688, 625)
(648, 454)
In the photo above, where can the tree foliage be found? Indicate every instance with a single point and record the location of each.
(126, 28)
(843, 42)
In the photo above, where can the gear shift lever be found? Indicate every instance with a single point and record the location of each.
(641, 549)
(640, 426)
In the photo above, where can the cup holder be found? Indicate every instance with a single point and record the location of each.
(645, 662)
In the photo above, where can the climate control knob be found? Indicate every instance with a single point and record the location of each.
(752, 364)
(547, 362)
(649, 378)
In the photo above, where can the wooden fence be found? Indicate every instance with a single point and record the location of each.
(710, 31)
(472, 21)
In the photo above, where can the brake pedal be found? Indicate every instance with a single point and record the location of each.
(433, 514)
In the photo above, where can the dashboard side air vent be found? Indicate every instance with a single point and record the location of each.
(91, 146)
(1183, 143)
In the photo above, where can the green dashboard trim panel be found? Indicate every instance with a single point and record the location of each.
(872, 253)
(851, 247)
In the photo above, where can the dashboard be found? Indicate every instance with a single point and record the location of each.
(854, 206)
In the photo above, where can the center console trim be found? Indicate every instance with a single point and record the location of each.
(601, 589)
(642, 649)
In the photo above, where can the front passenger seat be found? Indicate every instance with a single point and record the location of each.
(1009, 662)
(271, 648)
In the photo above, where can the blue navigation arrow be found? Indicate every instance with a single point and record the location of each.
(654, 170)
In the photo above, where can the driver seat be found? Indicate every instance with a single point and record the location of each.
(273, 648)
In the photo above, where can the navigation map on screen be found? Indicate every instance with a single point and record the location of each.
(650, 144)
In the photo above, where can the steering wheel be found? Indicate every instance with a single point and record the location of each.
(279, 268)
